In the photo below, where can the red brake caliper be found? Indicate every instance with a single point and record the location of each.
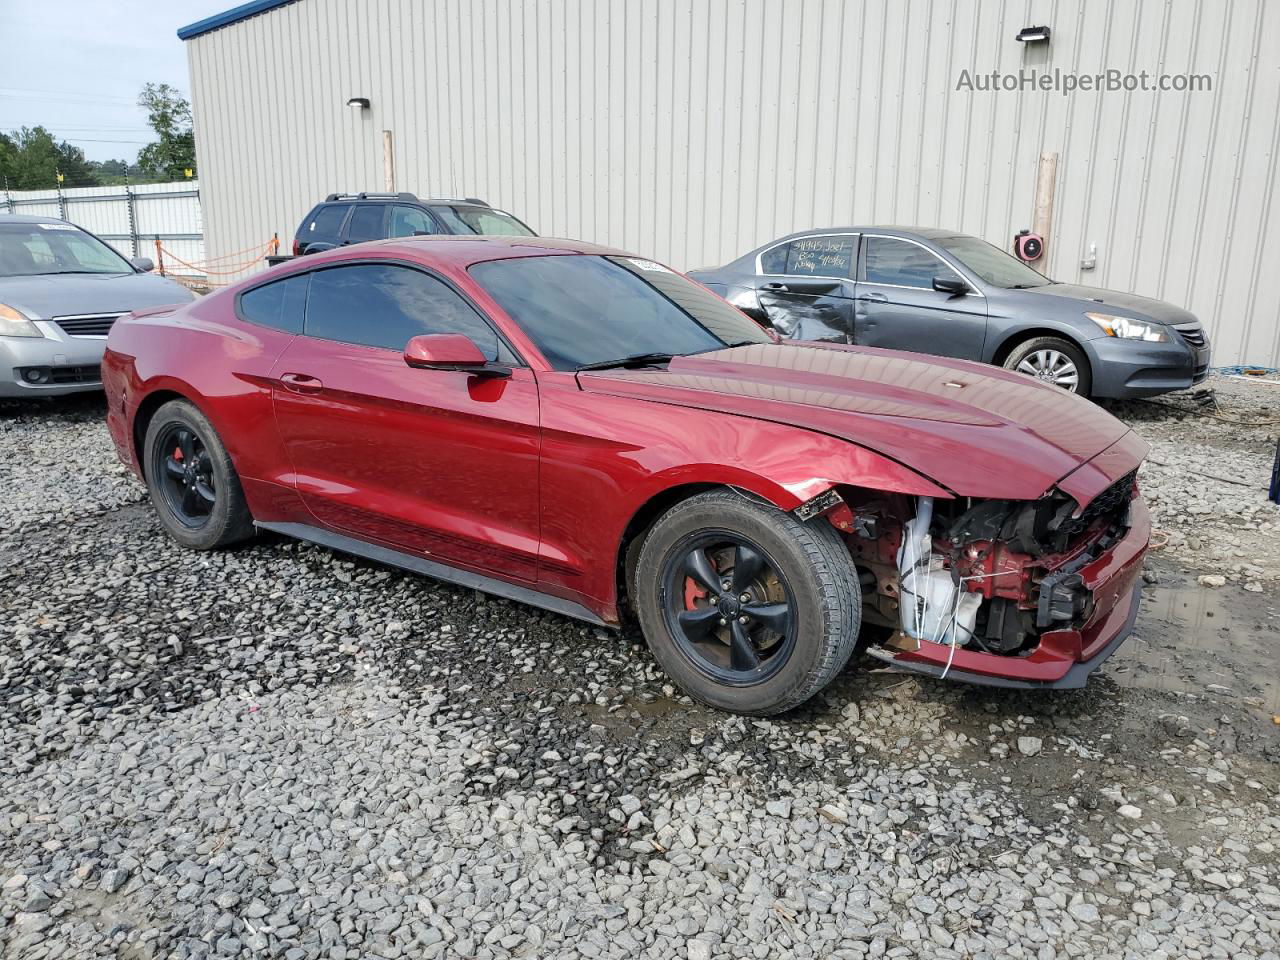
(177, 454)
(692, 593)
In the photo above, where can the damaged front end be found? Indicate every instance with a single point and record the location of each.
(999, 592)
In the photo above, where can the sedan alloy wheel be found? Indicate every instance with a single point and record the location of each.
(1051, 367)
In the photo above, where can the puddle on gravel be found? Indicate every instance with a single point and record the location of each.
(636, 713)
(632, 705)
(1195, 639)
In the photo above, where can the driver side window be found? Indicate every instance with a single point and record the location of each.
(899, 263)
(385, 306)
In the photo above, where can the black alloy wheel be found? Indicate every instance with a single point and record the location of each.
(192, 481)
(185, 474)
(745, 607)
(729, 608)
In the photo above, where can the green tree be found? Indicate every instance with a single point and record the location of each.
(174, 150)
(31, 159)
(8, 155)
(115, 172)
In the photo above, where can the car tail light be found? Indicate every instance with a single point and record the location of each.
(297, 247)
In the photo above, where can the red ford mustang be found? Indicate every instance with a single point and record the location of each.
(593, 433)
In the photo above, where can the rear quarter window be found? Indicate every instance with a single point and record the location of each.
(279, 305)
(324, 222)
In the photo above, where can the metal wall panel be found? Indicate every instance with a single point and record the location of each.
(693, 130)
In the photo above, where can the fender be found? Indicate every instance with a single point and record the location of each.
(997, 349)
(787, 476)
(619, 465)
(143, 350)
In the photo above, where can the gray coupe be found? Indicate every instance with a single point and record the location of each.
(952, 295)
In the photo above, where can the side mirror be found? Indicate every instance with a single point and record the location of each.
(450, 351)
(952, 285)
(144, 264)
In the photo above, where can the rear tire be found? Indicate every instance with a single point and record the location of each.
(770, 621)
(1052, 360)
(193, 484)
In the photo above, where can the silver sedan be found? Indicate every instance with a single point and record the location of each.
(61, 288)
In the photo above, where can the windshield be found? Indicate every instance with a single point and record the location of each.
(583, 310)
(38, 249)
(485, 220)
(992, 264)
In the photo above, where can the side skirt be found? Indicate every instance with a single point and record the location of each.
(437, 571)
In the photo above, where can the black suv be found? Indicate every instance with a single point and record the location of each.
(352, 217)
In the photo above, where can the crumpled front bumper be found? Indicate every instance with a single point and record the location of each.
(1064, 658)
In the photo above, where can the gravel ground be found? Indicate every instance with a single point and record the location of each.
(280, 752)
(1208, 473)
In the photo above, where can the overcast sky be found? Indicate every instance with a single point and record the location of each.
(76, 66)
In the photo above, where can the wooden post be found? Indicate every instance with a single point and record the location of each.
(1046, 178)
(388, 162)
(159, 257)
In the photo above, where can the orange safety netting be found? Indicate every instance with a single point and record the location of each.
(260, 251)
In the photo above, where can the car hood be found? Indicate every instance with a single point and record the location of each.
(1105, 301)
(976, 430)
(77, 293)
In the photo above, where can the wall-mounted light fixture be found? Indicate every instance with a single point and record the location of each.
(1034, 35)
(359, 103)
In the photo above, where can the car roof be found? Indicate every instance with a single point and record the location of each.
(925, 233)
(747, 260)
(410, 201)
(461, 252)
(26, 218)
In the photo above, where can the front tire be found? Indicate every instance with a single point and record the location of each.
(745, 607)
(192, 482)
(1054, 361)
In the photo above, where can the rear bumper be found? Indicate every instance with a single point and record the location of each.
(118, 382)
(1064, 658)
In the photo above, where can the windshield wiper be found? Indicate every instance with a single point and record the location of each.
(58, 273)
(635, 360)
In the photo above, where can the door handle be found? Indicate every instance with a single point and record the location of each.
(873, 297)
(777, 287)
(301, 383)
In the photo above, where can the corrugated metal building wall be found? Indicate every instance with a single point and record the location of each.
(693, 130)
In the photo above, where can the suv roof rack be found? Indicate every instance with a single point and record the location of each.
(476, 200)
(370, 196)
